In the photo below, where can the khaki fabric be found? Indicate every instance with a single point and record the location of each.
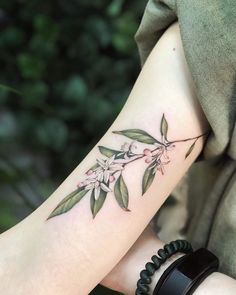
(206, 197)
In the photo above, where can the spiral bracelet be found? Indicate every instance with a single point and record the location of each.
(168, 250)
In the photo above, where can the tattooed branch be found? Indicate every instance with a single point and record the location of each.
(106, 175)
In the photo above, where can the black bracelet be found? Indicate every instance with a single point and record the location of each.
(168, 250)
(186, 274)
(167, 272)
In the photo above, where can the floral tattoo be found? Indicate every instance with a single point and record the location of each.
(106, 175)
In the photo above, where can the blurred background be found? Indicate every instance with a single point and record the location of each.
(67, 68)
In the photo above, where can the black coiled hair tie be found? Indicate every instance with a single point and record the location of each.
(178, 246)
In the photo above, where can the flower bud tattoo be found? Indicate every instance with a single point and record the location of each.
(106, 175)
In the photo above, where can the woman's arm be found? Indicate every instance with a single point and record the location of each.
(70, 244)
(124, 276)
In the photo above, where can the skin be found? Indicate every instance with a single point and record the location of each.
(68, 254)
(124, 276)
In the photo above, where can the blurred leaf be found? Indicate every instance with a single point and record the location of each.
(115, 7)
(75, 89)
(75, 63)
(9, 89)
(99, 29)
(7, 216)
(123, 36)
(8, 125)
(31, 66)
(34, 93)
(43, 48)
(8, 173)
(52, 133)
(12, 37)
(46, 27)
(97, 109)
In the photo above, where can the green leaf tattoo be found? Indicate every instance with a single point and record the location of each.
(110, 152)
(105, 176)
(68, 202)
(96, 205)
(190, 149)
(107, 152)
(121, 193)
(148, 177)
(139, 135)
(164, 127)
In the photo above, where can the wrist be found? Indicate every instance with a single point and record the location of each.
(123, 278)
(207, 286)
(125, 275)
(217, 284)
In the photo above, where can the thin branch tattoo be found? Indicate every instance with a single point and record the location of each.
(106, 175)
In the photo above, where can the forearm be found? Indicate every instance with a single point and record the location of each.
(74, 251)
(124, 276)
(217, 284)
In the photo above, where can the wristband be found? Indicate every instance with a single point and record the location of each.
(178, 246)
(186, 274)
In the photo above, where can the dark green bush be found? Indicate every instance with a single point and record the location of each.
(66, 70)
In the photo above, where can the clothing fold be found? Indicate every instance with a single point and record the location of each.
(205, 199)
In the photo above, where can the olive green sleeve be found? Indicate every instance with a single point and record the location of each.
(208, 31)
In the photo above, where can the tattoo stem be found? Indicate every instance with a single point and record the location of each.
(140, 156)
(169, 142)
(188, 139)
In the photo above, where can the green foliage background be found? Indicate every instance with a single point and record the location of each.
(66, 70)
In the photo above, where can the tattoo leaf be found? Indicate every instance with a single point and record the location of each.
(67, 203)
(164, 127)
(121, 193)
(94, 166)
(98, 177)
(148, 177)
(190, 149)
(110, 152)
(96, 205)
(139, 135)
